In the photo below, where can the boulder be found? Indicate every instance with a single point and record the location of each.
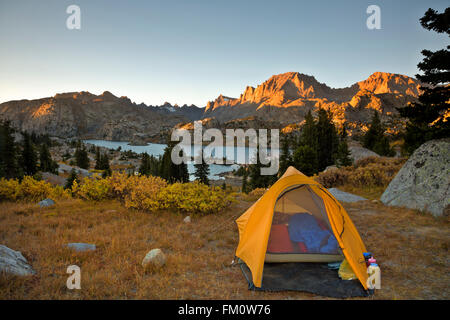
(78, 246)
(358, 152)
(345, 196)
(333, 167)
(187, 219)
(46, 203)
(13, 262)
(423, 183)
(155, 258)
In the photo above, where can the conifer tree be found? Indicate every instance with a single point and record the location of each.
(9, 164)
(429, 118)
(256, 179)
(46, 163)
(343, 153)
(309, 132)
(29, 156)
(105, 162)
(70, 180)
(98, 159)
(285, 156)
(145, 167)
(327, 140)
(374, 132)
(305, 160)
(375, 139)
(202, 171)
(170, 171)
(81, 156)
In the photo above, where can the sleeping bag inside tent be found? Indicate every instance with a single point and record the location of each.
(288, 237)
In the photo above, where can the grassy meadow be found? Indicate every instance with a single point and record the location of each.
(411, 248)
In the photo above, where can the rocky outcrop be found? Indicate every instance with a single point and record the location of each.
(13, 262)
(423, 183)
(287, 97)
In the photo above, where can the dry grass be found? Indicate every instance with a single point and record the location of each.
(412, 250)
(410, 246)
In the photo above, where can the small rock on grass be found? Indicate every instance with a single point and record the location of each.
(46, 203)
(154, 258)
(77, 246)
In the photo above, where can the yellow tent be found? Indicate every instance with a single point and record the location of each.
(296, 195)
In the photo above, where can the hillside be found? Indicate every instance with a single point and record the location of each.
(86, 115)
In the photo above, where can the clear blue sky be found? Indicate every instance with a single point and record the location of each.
(191, 51)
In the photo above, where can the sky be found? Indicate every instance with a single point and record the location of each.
(189, 52)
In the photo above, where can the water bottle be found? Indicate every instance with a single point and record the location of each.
(374, 279)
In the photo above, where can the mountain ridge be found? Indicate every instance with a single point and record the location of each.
(283, 99)
(287, 97)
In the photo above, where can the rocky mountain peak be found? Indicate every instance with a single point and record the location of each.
(385, 82)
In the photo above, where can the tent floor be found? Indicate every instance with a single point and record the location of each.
(314, 278)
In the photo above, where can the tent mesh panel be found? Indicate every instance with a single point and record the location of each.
(300, 225)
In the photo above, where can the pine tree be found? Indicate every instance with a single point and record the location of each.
(375, 140)
(327, 140)
(343, 158)
(309, 132)
(105, 165)
(9, 167)
(46, 163)
(29, 156)
(183, 173)
(305, 160)
(72, 177)
(105, 162)
(429, 118)
(202, 171)
(170, 171)
(285, 156)
(81, 156)
(98, 159)
(374, 132)
(256, 179)
(145, 167)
